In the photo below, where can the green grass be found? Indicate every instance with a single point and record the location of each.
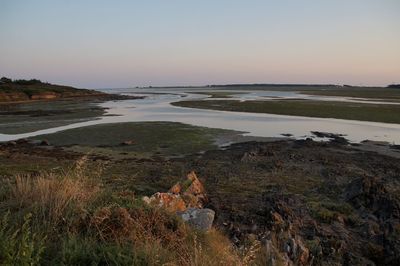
(216, 94)
(149, 138)
(28, 117)
(369, 93)
(324, 109)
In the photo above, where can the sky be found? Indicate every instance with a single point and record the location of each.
(105, 43)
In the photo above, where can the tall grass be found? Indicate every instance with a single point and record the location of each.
(51, 197)
(81, 222)
(19, 246)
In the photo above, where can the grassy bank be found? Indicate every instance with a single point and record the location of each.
(369, 93)
(143, 139)
(324, 109)
(217, 94)
(32, 116)
(389, 94)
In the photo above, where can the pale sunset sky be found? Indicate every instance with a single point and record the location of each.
(104, 43)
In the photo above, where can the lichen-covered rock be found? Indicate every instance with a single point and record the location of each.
(191, 190)
(195, 187)
(200, 218)
(175, 189)
(186, 198)
(169, 201)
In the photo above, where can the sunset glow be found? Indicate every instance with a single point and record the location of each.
(140, 43)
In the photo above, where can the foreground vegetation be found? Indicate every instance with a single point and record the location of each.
(70, 218)
(341, 110)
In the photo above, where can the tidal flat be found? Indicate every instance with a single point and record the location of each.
(308, 108)
(27, 117)
(302, 188)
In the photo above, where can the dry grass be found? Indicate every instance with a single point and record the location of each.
(51, 196)
(73, 207)
(162, 238)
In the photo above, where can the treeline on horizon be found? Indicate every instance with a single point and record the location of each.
(295, 85)
(5, 80)
(391, 86)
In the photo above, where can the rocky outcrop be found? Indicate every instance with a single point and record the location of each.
(45, 96)
(13, 96)
(169, 201)
(187, 199)
(199, 218)
(370, 193)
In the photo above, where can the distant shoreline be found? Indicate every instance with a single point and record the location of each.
(27, 91)
(257, 85)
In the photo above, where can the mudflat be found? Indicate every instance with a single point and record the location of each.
(309, 108)
(339, 202)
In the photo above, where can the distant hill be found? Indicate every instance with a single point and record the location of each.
(29, 90)
(394, 86)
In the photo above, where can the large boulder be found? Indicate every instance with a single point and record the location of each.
(200, 218)
(187, 193)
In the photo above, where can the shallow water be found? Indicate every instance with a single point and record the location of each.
(156, 107)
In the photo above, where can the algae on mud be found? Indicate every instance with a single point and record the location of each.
(389, 94)
(33, 116)
(143, 139)
(324, 109)
(371, 93)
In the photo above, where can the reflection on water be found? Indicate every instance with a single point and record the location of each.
(156, 107)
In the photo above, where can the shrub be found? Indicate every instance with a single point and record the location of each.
(5, 80)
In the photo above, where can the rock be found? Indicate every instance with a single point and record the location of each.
(22, 141)
(44, 96)
(191, 190)
(370, 193)
(146, 200)
(196, 187)
(303, 254)
(296, 251)
(127, 143)
(169, 201)
(200, 218)
(34, 142)
(12, 143)
(187, 199)
(277, 218)
(44, 143)
(175, 189)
